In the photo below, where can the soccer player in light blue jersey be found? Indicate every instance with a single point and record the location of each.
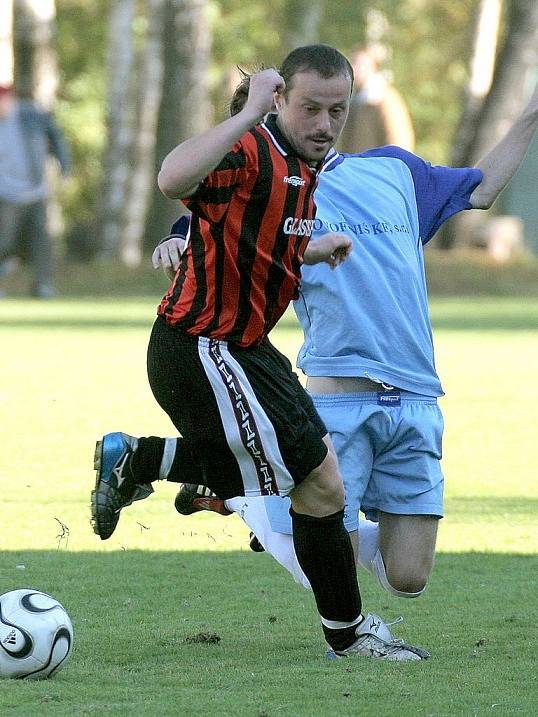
(368, 352)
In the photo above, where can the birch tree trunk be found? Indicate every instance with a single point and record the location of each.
(120, 118)
(498, 110)
(143, 175)
(185, 108)
(485, 38)
(505, 100)
(482, 65)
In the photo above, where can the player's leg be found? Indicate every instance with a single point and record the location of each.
(350, 418)
(126, 465)
(10, 220)
(274, 446)
(406, 494)
(407, 549)
(263, 384)
(325, 554)
(269, 521)
(40, 250)
(305, 455)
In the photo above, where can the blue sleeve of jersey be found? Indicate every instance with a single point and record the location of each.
(181, 226)
(440, 191)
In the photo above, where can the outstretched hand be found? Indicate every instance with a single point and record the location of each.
(331, 248)
(168, 255)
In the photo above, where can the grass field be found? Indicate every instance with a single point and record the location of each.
(73, 370)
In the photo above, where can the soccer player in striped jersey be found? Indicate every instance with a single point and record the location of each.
(248, 426)
(387, 336)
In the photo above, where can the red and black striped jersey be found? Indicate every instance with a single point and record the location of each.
(251, 221)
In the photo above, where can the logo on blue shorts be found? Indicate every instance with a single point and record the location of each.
(389, 398)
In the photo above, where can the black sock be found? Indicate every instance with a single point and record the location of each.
(325, 554)
(146, 460)
(184, 469)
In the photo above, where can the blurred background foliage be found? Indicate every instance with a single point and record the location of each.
(429, 46)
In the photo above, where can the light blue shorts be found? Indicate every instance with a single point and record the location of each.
(388, 452)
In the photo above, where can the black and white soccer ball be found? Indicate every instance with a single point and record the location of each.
(36, 635)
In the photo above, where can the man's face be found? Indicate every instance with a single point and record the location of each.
(313, 113)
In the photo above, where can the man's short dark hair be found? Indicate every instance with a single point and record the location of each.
(323, 59)
(240, 94)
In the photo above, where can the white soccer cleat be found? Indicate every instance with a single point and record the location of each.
(374, 639)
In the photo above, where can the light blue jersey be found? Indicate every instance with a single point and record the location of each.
(370, 317)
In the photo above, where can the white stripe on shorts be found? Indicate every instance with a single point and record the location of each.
(249, 432)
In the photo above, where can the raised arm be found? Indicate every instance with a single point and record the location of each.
(500, 165)
(191, 161)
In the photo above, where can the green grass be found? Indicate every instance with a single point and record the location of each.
(73, 370)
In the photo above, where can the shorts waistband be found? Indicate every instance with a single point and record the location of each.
(369, 397)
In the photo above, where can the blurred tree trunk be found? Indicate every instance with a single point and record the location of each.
(120, 115)
(301, 23)
(482, 65)
(143, 176)
(504, 102)
(485, 37)
(185, 108)
(500, 107)
(36, 68)
(6, 42)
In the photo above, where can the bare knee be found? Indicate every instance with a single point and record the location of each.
(410, 581)
(408, 546)
(401, 584)
(322, 491)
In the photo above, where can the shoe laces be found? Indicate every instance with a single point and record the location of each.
(395, 640)
(396, 621)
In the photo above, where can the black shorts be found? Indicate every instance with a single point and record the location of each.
(244, 416)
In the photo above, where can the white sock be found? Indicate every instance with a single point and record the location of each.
(368, 544)
(279, 545)
(378, 568)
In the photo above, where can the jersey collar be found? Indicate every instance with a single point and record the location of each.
(284, 147)
(276, 136)
(332, 160)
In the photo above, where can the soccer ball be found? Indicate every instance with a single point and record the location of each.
(36, 635)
